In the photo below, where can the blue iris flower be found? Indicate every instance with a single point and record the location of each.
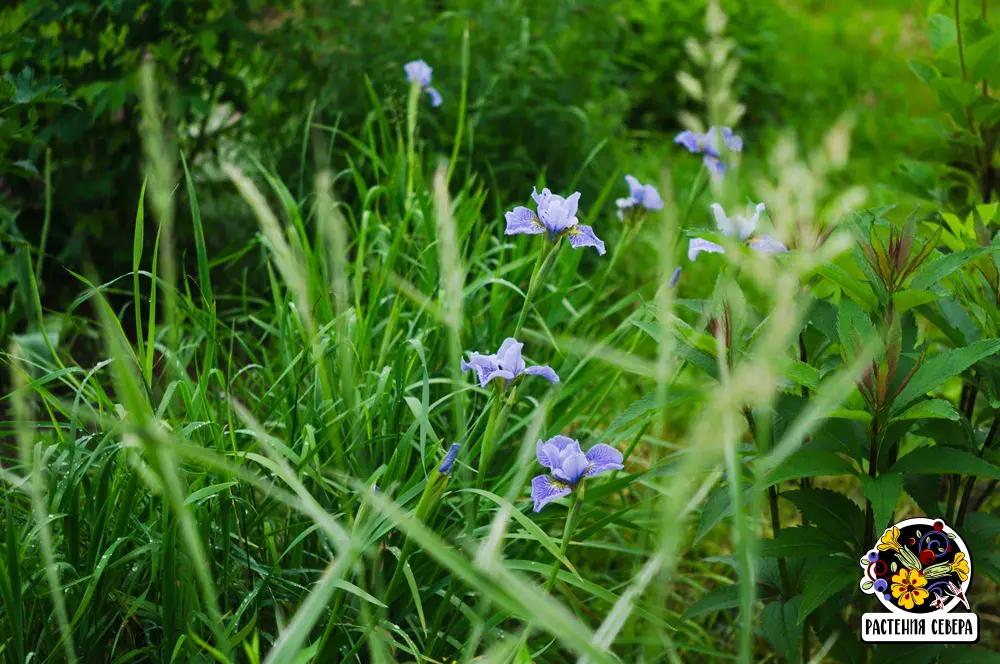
(449, 459)
(557, 216)
(420, 72)
(640, 195)
(741, 226)
(506, 363)
(568, 465)
(710, 144)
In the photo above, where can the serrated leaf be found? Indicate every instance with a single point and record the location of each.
(800, 541)
(829, 510)
(938, 369)
(932, 273)
(882, 492)
(726, 597)
(809, 463)
(939, 459)
(940, 409)
(824, 580)
(777, 621)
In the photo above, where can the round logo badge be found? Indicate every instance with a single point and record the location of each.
(918, 566)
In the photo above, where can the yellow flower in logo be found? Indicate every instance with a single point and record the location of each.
(960, 566)
(908, 587)
(890, 540)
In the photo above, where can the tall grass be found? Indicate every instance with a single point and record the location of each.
(199, 463)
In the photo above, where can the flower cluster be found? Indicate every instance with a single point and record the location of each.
(740, 226)
(711, 144)
(568, 465)
(556, 216)
(506, 363)
(419, 72)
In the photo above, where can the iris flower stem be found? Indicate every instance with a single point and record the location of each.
(575, 506)
(411, 137)
(498, 417)
(628, 237)
(546, 257)
(424, 512)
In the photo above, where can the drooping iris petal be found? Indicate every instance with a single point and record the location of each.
(418, 71)
(645, 195)
(449, 459)
(484, 366)
(545, 489)
(583, 236)
(435, 96)
(603, 458)
(497, 373)
(522, 221)
(698, 245)
(731, 140)
(715, 165)
(767, 245)
(689, 139)
(651, 199)
(624, 204)
(544, 371)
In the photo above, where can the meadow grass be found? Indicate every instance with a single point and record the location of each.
(243, 462)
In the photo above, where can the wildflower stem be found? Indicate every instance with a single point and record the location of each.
(411, 138)
(546, 257)
(575, 505)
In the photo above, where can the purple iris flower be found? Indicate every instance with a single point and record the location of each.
(568, 465)
(506, 363)
(639, 196)
(710, 144)
(557, 215)
(420, 72)
(449, 459)
(739, 226)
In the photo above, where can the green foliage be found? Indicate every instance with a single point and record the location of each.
(198, 438)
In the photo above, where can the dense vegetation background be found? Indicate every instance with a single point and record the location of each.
(210, 360)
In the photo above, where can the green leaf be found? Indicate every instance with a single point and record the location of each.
(726, 597)
(809, 463)
(932, 273)
(831, 511)
(802, 374)
(969, 655)
(883, 492)
(923, 71)
(905, 653)
(938, 369)
(854, 288)
(939, 459)
(530, 526)
(777, 621)
(824, 580)
(940, 409)
(798, 542)
(908, 299)
(941, 32)
(981, 57)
